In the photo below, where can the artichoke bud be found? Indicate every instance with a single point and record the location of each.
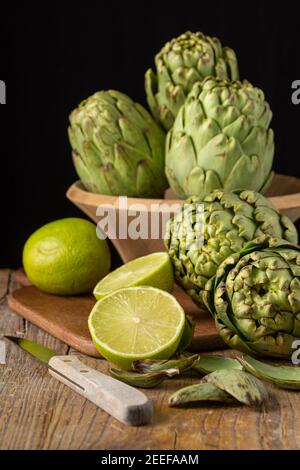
(115, 138)
(227, 125)
(266, 322)
(182, 62)
(231, 220)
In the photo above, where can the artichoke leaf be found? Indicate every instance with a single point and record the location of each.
(148, 380)
(281, 375)
(239, 384)
(182, 364)
(198, 393)
(207, 363)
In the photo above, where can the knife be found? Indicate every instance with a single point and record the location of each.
(123, 402)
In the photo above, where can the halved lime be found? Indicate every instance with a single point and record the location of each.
(136, 323)
(152, 270)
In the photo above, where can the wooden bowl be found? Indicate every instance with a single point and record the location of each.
(284, 194)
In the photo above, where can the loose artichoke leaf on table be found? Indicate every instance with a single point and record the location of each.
(206, 364)
(149, 380)
(239, 384)
(199, 392)
(182, 364)
(287, 377)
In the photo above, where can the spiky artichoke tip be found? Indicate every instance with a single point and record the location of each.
(227, 221)
(255, 298)
(220, 139)
(187, 59)
(118, 148)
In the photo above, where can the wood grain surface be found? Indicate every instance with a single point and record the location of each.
(38, 412)
(66, 318)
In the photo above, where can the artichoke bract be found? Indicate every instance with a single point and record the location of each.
(183, 61)
(255, 298)
(220, 139)
(118, 148)
(228, 221)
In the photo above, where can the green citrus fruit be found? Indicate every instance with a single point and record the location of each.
(136, 323)
(152, 270)
(66, 257)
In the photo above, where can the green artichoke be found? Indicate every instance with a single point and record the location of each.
(255, 298)
(118, 148)
(199, 241)
(220, 139)
(183, 61)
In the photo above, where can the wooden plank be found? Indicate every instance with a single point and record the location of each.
(5, 275)
(38, 412)
(10, 323)
(204, 427)
(26, 395)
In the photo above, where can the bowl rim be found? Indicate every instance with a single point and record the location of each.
(77, 193)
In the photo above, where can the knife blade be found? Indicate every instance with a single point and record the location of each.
(123, 402)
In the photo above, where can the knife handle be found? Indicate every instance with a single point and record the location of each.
(123, 402)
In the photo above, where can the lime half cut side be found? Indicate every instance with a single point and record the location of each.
(136, 323)
(152, 270)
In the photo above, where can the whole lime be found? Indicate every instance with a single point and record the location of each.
(66, 257)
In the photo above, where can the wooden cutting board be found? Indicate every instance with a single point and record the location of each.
(66, 317)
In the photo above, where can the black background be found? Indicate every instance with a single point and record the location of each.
(54, 56)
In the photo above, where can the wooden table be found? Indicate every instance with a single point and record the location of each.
(38, 412)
